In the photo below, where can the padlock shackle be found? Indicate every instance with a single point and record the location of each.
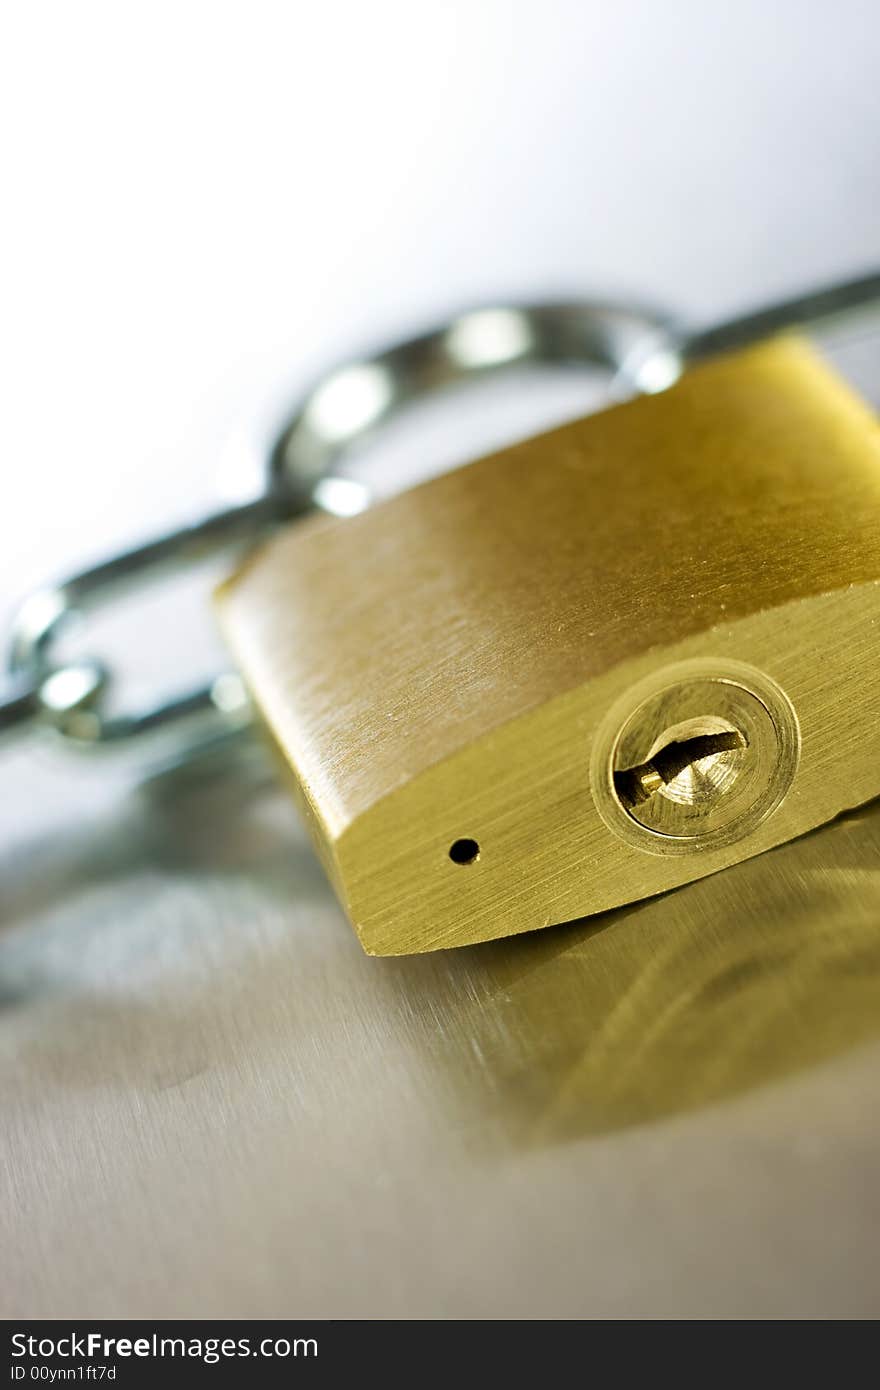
(643, 350)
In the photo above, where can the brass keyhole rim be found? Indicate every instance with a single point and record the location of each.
(730, 696)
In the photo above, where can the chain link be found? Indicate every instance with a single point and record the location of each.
(643, 351)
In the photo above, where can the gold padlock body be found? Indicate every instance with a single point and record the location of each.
(463, 678)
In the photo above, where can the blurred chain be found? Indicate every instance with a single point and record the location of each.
(641, 349)
(19, 701)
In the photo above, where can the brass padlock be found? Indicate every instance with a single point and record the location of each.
(589, 668)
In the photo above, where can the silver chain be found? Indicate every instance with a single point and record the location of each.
(641, 349)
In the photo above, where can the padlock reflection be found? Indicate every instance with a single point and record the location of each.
(691, 999)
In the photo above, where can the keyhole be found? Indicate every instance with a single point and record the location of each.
(686, 770)
(699, 761)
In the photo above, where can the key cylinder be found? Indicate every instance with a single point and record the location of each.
(724, 758)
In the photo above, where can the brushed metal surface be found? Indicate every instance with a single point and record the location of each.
(213, 1103)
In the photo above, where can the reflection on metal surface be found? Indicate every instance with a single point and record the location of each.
(670, 1005)
(738, 980)
(217, 1105)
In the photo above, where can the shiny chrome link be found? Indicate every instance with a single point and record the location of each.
(643, 351)
(822, 309)
(62, 697)
(348, 404)
(654, 366)
(345, 406)
(69, 695)
(19, 702)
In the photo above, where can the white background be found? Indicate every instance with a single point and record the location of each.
(204, 201)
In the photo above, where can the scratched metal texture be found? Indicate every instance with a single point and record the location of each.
(215, 1105)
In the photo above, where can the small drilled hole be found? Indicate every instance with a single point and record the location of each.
(464, 852)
